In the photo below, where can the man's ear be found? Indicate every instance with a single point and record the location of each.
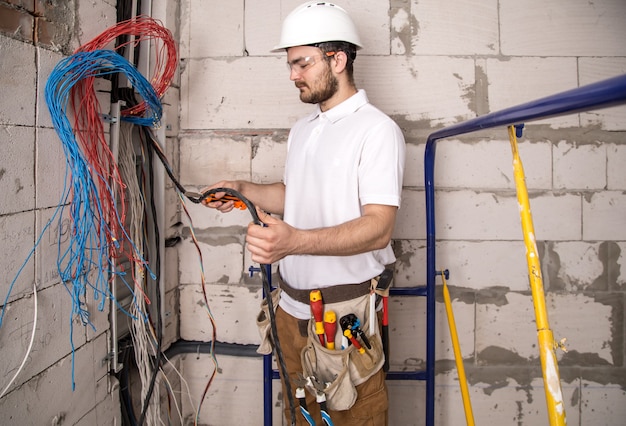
(341, 60)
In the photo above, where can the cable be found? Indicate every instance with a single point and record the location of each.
(30, 344)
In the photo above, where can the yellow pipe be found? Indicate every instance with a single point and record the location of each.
(467, 405)
(547, 345)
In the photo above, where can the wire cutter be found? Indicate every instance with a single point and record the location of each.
(320, 396)
(301, 382)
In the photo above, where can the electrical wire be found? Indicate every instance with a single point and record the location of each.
(97, 236)
(198, 198)
(30, 344)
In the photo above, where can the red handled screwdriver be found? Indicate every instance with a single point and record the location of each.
(317, 309)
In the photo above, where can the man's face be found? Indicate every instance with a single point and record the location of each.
(311, 73)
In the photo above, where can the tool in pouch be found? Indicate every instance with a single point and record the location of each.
(341, 370)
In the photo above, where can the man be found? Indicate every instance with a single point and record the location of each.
(340, 194)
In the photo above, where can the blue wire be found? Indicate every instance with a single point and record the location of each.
(88, 249)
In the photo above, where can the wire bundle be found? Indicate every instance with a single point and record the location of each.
(97, 234)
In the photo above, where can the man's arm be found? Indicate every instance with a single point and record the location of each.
(369, 232)
(268, 197)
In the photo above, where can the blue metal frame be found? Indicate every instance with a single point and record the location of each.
(602, 94)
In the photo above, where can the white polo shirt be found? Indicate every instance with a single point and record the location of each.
(337, 162)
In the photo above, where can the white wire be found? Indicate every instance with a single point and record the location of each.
(30, 345)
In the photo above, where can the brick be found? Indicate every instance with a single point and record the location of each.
(394, 92)
(592, 70)
(616, 167)
(510, 328)
(571, 159)
(604, 216)
(18, 235)
(49, 392)
(572, 265)
(602, 403)
(224, 99)
(16, 22)
(50, 171)
(462, 165)
(520, 80)
(587, 325)
(234, 309)
(268, 162)
(222, 37)
(410, 219)
(16, 169)
(455, 28)
(235, 396)
(17, 79)
(222, 261)
(562, 28)
(484, 264)
(209, 159)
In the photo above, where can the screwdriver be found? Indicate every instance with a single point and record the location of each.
(317, 309)
(330, 328)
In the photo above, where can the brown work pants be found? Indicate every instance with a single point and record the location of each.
(370, 408)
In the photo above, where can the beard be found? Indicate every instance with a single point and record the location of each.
(321, 90)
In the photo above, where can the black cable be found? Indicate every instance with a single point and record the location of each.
(157, 361)
(198, 198)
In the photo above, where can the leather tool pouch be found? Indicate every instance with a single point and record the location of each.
(343, 369)
(263, 323)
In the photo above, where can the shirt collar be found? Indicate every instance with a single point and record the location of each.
(347, 107)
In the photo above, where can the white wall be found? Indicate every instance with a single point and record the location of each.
(429, 64)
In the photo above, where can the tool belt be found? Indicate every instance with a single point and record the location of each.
(332, 294)
(343, 368)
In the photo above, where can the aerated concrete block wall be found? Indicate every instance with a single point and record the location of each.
(428, 64)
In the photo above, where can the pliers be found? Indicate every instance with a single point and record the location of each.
(320, 396)
(301, 382)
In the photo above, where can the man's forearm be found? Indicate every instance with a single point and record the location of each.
(268, 197)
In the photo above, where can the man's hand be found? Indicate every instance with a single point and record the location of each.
(214, 202)
(270, 243)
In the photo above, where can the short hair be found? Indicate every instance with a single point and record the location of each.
(341, 46)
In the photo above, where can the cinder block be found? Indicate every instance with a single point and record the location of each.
(263, 22)
(484, 264)
(604, 216)
(602, 403)
(95, 18)
(410, 219)
(579, 166)
(562, 28)
(616, 167)
(410, 263)
(54, 229)
(47, 61)
(234, 309)
(407, 399)
(506, 334)
(414, 166)
(587, 325)
(231, 224)
(212, 29)
(469, 215)
(50, 173)
(407, 333)
(207, 159)
(463, 311)
(425, 91)
(52, 336)
(170, 318)
(221, 259)
(18, 235)
(17, 165)
(556, 217)
(595, 69)
(520, 80)
(49, 393)
(455, 28)
(268, 161)
(572, 265)
(236, 394)
(489, 164)
(171, 107)
(245, 93)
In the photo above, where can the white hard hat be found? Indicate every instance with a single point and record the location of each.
(317, 22)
